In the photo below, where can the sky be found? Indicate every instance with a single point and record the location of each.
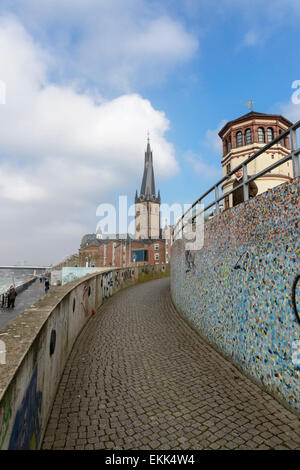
(85, 81)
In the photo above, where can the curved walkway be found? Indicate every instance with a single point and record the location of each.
(140, 378)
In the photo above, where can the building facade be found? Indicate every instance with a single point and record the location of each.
(121, 253)
(246, 135)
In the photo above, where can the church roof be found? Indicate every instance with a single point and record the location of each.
(254, 114)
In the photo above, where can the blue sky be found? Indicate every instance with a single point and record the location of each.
(85, 81)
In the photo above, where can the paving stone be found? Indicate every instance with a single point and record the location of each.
(141, 378)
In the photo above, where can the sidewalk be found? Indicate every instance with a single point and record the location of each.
(23, 300)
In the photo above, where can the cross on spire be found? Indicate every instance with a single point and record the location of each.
(250, 104)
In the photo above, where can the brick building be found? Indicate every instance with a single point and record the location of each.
(119, 253)
(246, 135)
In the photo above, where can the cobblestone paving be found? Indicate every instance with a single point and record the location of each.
(140, 378)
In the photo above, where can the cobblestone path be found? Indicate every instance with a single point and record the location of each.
(140, 378)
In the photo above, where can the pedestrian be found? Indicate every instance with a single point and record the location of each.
(12, 294)
(238, 194)
(47, 285)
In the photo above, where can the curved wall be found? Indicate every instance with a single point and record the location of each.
(241, 290)
(38, 343)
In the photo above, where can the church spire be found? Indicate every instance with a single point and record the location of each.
(148, 183)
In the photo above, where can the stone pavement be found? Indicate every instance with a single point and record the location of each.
(23, 300)
(140, 378)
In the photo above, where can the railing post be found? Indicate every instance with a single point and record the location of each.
(216, 199)
(245, 185)
(295, 157)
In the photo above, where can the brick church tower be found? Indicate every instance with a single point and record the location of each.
(147, 204)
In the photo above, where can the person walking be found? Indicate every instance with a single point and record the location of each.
(238, 194)
(47, 285)
(12, 294)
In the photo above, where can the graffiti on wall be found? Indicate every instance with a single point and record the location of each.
(5, 416)
(83, 298)
(294, 300)
(241, 290)
(107, 285)
(190, 261)
(25, 433)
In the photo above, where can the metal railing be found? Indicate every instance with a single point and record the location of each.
(293, 155)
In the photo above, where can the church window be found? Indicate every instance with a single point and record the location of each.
(261, 134)
(239, 139)
(270, 134)
(248, 137)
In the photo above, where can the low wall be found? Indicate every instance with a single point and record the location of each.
(38, 343)
(241, 290)
(25, 285)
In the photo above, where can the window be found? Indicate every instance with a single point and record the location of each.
(229, 143)
(239, 139)
(156, 246)
(156, 256)
(261, 134)
(270, 134)
(228, 168)
(282, 141)
(226, 145)
(248, 137)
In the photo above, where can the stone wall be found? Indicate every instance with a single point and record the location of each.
(241, 289)
(36, 346)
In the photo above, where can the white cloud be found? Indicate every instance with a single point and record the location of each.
(200, 166)
(115, 44)
(212, 138)
(290, 111)
(62, 152)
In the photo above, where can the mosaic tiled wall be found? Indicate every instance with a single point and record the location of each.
(241, 289)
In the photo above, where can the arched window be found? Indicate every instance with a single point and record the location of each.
(229, 143)
(261, 134)
(239, 139)
(226, 145)
(282, 140)
(248, 137)
(270, 134)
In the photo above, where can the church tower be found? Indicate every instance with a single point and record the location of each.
(147, 204)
